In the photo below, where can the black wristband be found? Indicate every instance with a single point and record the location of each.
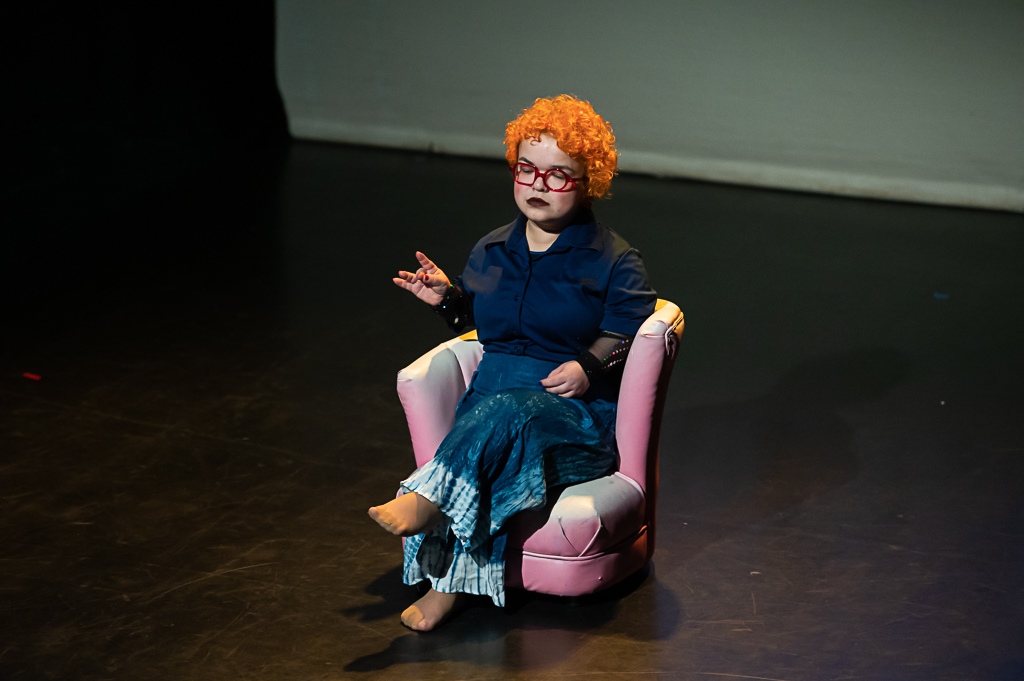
(591, 365)
(449, 309)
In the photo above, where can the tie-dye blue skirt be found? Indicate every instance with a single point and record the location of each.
(511, 443)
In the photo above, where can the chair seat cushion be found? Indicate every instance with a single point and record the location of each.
(586, 519)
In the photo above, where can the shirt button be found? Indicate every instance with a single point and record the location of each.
(519, 350)
(515, 297)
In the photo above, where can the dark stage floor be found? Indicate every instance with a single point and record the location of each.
(183, 493)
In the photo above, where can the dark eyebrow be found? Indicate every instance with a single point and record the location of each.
(523, 159)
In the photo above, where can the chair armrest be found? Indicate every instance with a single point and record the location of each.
(642, 394)
(642, 401)
(430, 389)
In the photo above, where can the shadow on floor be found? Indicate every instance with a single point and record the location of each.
(795, 449)
(533, 631)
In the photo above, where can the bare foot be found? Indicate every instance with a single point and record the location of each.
(407, 515)
(431, 610)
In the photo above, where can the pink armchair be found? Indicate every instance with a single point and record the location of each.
(592, 535)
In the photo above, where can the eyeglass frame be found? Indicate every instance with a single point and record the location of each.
(571, 185)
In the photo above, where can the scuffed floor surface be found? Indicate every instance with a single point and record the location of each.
(183, 491)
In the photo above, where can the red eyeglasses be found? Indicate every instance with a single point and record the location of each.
(556, 179)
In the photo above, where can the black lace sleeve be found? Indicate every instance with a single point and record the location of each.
(607, 354)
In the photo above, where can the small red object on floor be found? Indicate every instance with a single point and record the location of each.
(34, 377)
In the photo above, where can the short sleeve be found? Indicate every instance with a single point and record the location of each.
(630, 300)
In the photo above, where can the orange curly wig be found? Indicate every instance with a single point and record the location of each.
(580, 132)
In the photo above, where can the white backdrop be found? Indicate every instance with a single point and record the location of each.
(920, 100)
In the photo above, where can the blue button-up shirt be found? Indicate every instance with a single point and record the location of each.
(552, 305)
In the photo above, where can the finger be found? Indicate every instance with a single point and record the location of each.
(428, 264)
(404, 284)
(575, 390)
(408, 276)
(556, 384)
(431, 280)
(554, 378)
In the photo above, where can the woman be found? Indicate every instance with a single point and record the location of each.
(556, 299)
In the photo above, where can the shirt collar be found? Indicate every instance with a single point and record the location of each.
(582, 233)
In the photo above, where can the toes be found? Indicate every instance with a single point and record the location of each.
(393, 529)
(430, 611)
(413, 618)
(382, 520)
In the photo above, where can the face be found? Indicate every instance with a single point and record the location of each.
(551, 211)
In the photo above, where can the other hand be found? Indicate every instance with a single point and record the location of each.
(428, 283)
(567, 380)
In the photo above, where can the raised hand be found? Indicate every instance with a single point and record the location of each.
(428, 283)
(567, 380)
